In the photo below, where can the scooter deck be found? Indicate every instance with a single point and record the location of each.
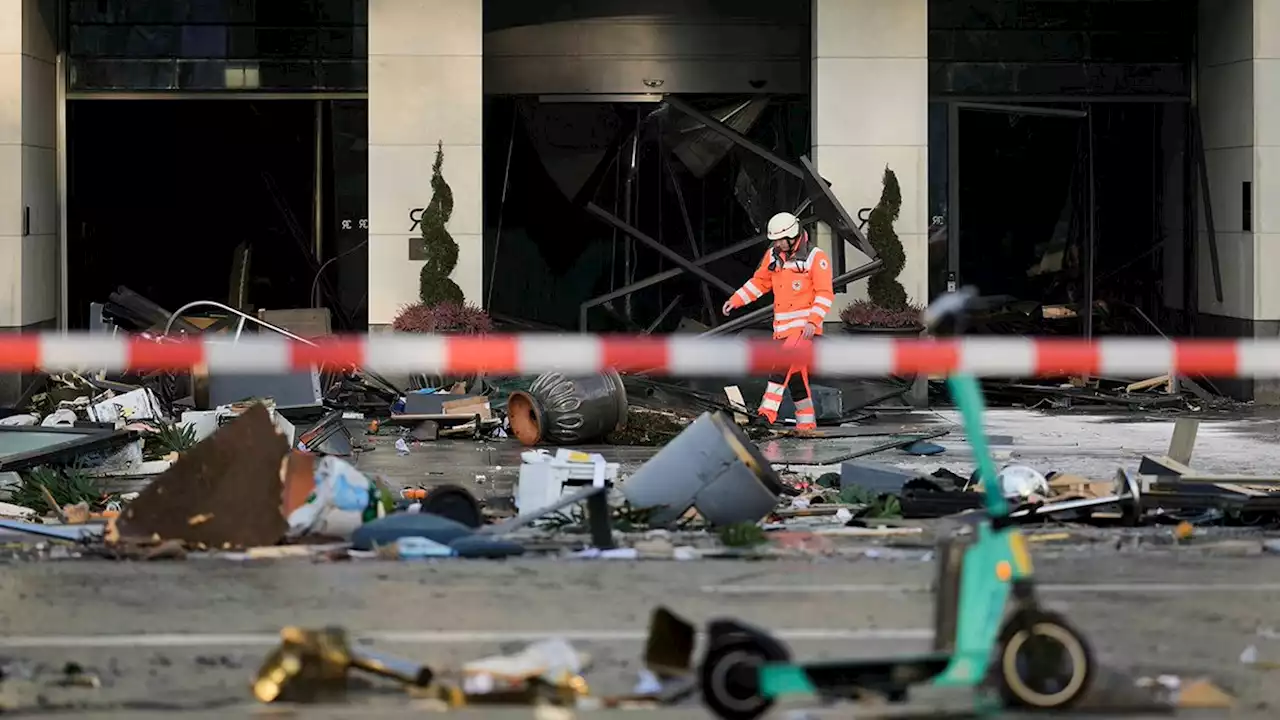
(890, 677)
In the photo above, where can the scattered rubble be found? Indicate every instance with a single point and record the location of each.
(347, 463)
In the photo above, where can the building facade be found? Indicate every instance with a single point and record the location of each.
(888, 83)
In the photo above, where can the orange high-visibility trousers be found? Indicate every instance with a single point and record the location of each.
(796, 379)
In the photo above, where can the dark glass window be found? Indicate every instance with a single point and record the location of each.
(219, 45)
(1051, 47)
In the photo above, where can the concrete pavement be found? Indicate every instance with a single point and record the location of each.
(166, 637)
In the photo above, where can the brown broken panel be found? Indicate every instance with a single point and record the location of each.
(224, 492)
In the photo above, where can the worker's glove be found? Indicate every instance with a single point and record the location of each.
(809, 330)
(728, 308)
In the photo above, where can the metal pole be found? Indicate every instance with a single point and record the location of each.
(1210, 228)
(64, 268)
(1090, 246)
(953, 197)
(658, 247)
(733, 135)
(502, 206)
(627, 199)
(317, 184)
(693, 241)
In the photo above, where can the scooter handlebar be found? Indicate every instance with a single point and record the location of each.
(951, 306)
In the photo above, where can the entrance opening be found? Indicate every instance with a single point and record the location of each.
(1053, 206)
(1021, 183)
(173, 198)
(552, 260)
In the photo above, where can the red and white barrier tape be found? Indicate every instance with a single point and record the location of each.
(672, 355)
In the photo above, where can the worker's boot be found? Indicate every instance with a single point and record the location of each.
(805, 417)
(771, 401)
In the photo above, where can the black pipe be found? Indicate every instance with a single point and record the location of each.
(658, 247)
(672, 273)
(732, 135)
(694, 251)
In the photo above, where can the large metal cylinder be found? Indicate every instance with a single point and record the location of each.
(712, 466)
(568, 410)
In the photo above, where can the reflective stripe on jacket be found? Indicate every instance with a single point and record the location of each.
(802, 291)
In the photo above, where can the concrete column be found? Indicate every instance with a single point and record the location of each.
(1226, 106)
(1239, 103)
(28, 164)
(871, 110)
(1266, 158)
(425, 86)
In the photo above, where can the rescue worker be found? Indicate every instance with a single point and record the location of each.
(799, 275)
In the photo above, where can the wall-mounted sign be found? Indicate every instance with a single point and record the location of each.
(415, 219)
(362, 223)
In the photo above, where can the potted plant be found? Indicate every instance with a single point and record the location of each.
(445, 317)
(439, 247)
(887, 309)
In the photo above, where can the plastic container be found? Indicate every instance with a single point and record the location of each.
(545, 478)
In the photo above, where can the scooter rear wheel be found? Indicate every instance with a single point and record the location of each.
(1044, 663)
(730, 679)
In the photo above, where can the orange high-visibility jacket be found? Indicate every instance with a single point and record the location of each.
(802, 291)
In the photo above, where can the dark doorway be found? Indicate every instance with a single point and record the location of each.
(162, 193)
(1021, 192)
(1066, 204)
(661, 172)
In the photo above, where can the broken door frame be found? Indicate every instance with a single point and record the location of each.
(826, 208)
(954, 280)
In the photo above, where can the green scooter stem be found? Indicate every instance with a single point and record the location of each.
(967, 395)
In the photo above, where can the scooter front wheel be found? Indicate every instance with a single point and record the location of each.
(730, 679)
(1044, 663)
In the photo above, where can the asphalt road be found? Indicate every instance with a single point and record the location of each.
(186, 636)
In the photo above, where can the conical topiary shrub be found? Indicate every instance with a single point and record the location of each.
(883, 289)
(434, 285)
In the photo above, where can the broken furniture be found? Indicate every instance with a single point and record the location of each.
(545, 477)
(135, 313)
(712, 467)
(331, 435)
(1126, 494)
(1170, 484)
(428, 413)
(567, 410)
(312, 665)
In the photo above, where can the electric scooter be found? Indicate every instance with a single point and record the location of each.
(991, 633)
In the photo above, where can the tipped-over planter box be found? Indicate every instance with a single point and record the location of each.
(711, 466)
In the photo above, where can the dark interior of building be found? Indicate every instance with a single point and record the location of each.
(684, 186)
(171, 197)
(195, 129)
(1026, 188)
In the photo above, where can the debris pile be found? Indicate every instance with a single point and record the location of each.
(344, 463)
(316, 665)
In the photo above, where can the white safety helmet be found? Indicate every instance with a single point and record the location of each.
(784, 225)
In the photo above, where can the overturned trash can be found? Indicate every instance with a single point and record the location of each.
(568, 410)
(713, 467)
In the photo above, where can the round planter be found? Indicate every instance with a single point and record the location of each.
(568, 410)
(881, 331)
